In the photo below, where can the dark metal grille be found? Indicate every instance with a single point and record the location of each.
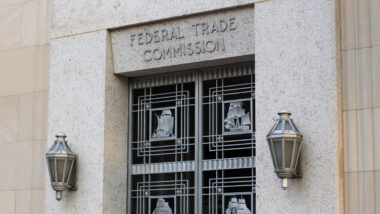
(228, 105)
(163, 192)
(192, 142)
(223, 187)
(163, 131)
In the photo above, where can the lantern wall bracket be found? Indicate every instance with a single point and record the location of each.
(298, 170)
(73, 177)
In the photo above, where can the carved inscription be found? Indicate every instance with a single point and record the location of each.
(210, 36)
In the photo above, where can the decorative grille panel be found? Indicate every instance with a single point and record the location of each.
(163, 130)
(192, 142)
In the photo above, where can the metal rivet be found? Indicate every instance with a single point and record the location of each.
(219, 138)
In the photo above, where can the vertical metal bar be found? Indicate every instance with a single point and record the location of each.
(175, 192)
(198, 143)
(176, 125)
(55, 170)
(223, 154)
(150, 126)
(216, 120)
(129, 150)
(149, 194)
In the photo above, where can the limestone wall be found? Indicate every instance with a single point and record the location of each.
(360, 53)
(24, 62)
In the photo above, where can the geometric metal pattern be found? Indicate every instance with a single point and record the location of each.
(228, 105)
(224, 185)
(192, 142)
(228, 163)
(162, 124)
(228, 135)
(184, 166)
(163, 192)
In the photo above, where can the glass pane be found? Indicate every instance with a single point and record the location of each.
(52, 170)
(288, 153)
(288, 126)
(278, 150)
(67, 170)
(60, 166)
(297, 147)
(279, 126)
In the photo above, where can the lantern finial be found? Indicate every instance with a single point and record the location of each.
(61, 136)
(284, 114)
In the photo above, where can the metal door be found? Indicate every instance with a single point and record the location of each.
(192, 142)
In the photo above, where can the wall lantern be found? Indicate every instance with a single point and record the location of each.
(61, 163)
(285, 142)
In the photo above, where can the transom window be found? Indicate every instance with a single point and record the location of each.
(192, 142)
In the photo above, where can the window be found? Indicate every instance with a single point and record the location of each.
(192, 142)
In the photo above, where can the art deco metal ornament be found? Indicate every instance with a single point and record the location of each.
(165, 124)
(61, 163)
(162, 207)
(236, 206)
(237, 119)
(285, 142)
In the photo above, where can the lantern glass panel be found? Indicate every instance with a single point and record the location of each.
(279, 126)
(288, 126)
(278, 150)
(296, 145)
(60, 166)
(288, 153)
(52, 169)
(67, 170)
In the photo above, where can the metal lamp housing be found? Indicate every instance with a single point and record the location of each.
(61, 163)
(285, 143)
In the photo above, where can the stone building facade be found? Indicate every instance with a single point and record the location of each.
(77, 66)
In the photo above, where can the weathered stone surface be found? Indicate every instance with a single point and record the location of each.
(297, 69)
(72, 16)
(85, 102)
(76, 107)
(184, 43)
